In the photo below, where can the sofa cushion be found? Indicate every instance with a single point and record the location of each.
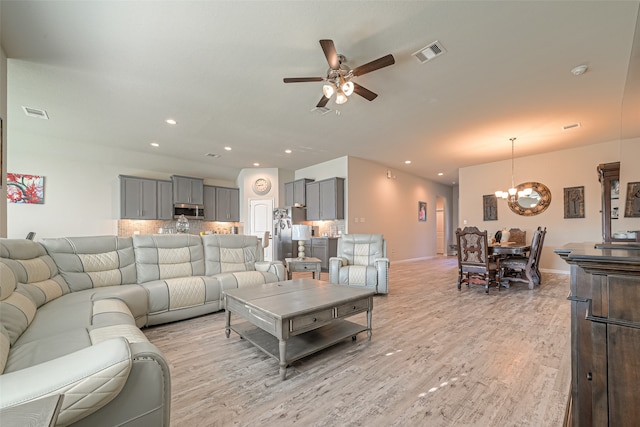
(228, 253)
(17, 312)
(178, 293)
(4, 348)
(167, 256)
(361, 249)
(95, 261)
(31, 266)
(244, 278)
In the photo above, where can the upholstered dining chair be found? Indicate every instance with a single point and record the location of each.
(525, 268)
(361, 261)
(517, 236)
(474, 263)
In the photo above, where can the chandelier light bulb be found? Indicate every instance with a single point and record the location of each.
(347, 88)
(498, 194)
(512, 191)
(327, 90)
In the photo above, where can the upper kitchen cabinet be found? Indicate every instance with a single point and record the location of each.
(188, 190)
(138, 198)
(325, 199)
(295, 192)
(165, 200)
(209, 203)
(227, 204)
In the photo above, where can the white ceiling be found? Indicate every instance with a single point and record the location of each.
(111, 72)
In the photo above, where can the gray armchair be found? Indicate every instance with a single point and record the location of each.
(362, 262)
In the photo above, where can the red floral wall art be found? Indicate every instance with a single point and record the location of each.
(23, 188)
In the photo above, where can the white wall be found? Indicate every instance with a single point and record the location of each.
(390, 207)
(557, 170)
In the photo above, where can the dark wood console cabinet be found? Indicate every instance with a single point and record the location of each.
(605, 334)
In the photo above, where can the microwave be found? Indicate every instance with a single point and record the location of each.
(189, 211)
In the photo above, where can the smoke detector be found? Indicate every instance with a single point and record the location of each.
(579, 70)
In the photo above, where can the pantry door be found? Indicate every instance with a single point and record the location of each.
(261, 220)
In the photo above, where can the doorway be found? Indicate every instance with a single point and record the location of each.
(260, 221)
(440, 226)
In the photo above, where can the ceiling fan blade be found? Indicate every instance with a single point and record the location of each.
(302, 79)
(385, 61)
(329, 50)
(364, 92)
(323, 102)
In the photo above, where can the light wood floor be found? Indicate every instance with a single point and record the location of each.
(438, 357)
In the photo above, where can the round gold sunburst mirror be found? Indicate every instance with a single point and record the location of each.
(534, 198)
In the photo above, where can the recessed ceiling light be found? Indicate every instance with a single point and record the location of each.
(440, 174)
(256, 164)
(407, 162)
(171, 121)
(287, 151)
(154, 144)
(227, 148)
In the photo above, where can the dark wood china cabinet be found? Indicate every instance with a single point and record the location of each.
(612, 205)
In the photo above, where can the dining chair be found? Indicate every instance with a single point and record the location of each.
(474, 263)
(525, 268)
(517, 236)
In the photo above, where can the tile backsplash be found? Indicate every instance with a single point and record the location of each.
(129, 227)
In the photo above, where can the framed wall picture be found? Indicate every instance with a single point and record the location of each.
(490, 207)
(422, 211)
(25, 189)
(632, 206)
(574, 202)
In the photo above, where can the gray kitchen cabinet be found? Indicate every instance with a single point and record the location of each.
(138, 198)
(165, 200)
(325, 199)
(188, 190)
(209, 203)
(295, 192)
(227, 204)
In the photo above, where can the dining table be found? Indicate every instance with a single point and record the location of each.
(501, 250)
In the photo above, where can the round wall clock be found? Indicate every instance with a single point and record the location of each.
(261, 186)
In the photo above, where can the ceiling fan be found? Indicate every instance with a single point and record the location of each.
(339, 79)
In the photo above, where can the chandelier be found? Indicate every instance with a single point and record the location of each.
(339, 82)
(513, 193)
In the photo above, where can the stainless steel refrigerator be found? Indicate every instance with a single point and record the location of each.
(283, 219)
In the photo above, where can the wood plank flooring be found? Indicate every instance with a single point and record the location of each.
(438, 357)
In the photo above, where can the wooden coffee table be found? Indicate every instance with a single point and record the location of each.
(293, 319)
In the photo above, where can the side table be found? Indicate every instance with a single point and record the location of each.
(303, 264)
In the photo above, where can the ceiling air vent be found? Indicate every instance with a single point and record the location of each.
(34, 112)
(571, 126)
(429, 52)
(214, 155)
(320, 110)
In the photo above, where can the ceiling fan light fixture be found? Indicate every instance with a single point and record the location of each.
(341, 98)
(328, 90)
(347, 88)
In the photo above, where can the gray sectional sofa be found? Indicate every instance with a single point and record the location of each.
(71, 310)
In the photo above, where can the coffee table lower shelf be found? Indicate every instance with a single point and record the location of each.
(302, 345)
